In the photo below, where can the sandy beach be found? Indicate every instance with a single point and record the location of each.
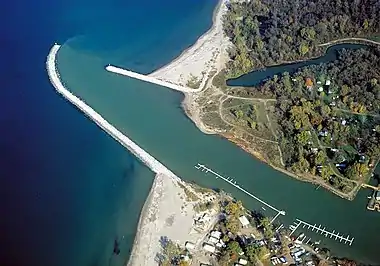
(205, 58)
(167, 213)
(207, 54)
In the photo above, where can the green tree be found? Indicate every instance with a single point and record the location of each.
(326, 172)
(234, 208)
(357, 170)
(266, 224)
(303, 48)
(233, 225)
(255, 252)
(234, 247)
(303, 137)
(321, 157)
(325, 110)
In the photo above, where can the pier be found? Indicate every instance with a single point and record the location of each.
(150, 79)
(140, 153)
(233, 183)
(322, 230)
(371, 187)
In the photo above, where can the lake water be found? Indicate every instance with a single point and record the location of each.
(67, 189)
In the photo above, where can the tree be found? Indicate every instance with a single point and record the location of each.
(303, 137)
(321, 157)
(233, 224)
(184, 263)
(303, 48)
(234, 208)
(266, 224)
(357, 170)
(234, 247)
(255, 252)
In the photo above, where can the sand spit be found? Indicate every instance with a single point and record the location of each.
(207, 54)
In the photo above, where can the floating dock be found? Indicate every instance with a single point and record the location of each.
(322, 230)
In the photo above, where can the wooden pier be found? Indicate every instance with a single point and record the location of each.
(322, 230)
(371, 187)
(230, 181)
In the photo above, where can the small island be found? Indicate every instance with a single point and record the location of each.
(319, 123)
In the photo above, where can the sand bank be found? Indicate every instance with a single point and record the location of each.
(167, 213)
(207, 54)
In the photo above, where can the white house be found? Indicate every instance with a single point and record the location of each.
(244, 221)
(243, 261)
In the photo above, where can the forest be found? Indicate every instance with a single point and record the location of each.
(329, 115)
(269, 32)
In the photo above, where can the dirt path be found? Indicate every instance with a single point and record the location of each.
(345, 40)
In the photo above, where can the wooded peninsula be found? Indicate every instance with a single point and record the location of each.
(319, 123)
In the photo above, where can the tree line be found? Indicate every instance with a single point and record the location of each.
(268, 32)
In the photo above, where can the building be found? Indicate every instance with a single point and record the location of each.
(243, 262)
(189, 245)
(244, 221)
(216, 234)
(209, 248)
(213, 240)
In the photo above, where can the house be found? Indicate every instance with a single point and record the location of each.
(213, 240)
(309, 83)
(320, 89)
(323, 133)
(243, 262)
(209, 248)
(244, 221)
(216, 234)
(328, 82)
(189, 245)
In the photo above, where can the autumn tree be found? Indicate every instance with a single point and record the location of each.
(234, 208)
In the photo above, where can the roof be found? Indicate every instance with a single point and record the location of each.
(216, 234)
(243, 261)
(209, 248)
(189, 245)
(243, 220)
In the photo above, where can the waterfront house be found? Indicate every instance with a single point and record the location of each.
(244, 221)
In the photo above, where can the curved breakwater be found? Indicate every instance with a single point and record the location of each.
(140, 153)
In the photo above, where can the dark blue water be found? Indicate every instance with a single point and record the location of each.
(67, 189)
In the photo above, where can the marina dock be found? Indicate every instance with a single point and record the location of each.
(322, 230)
